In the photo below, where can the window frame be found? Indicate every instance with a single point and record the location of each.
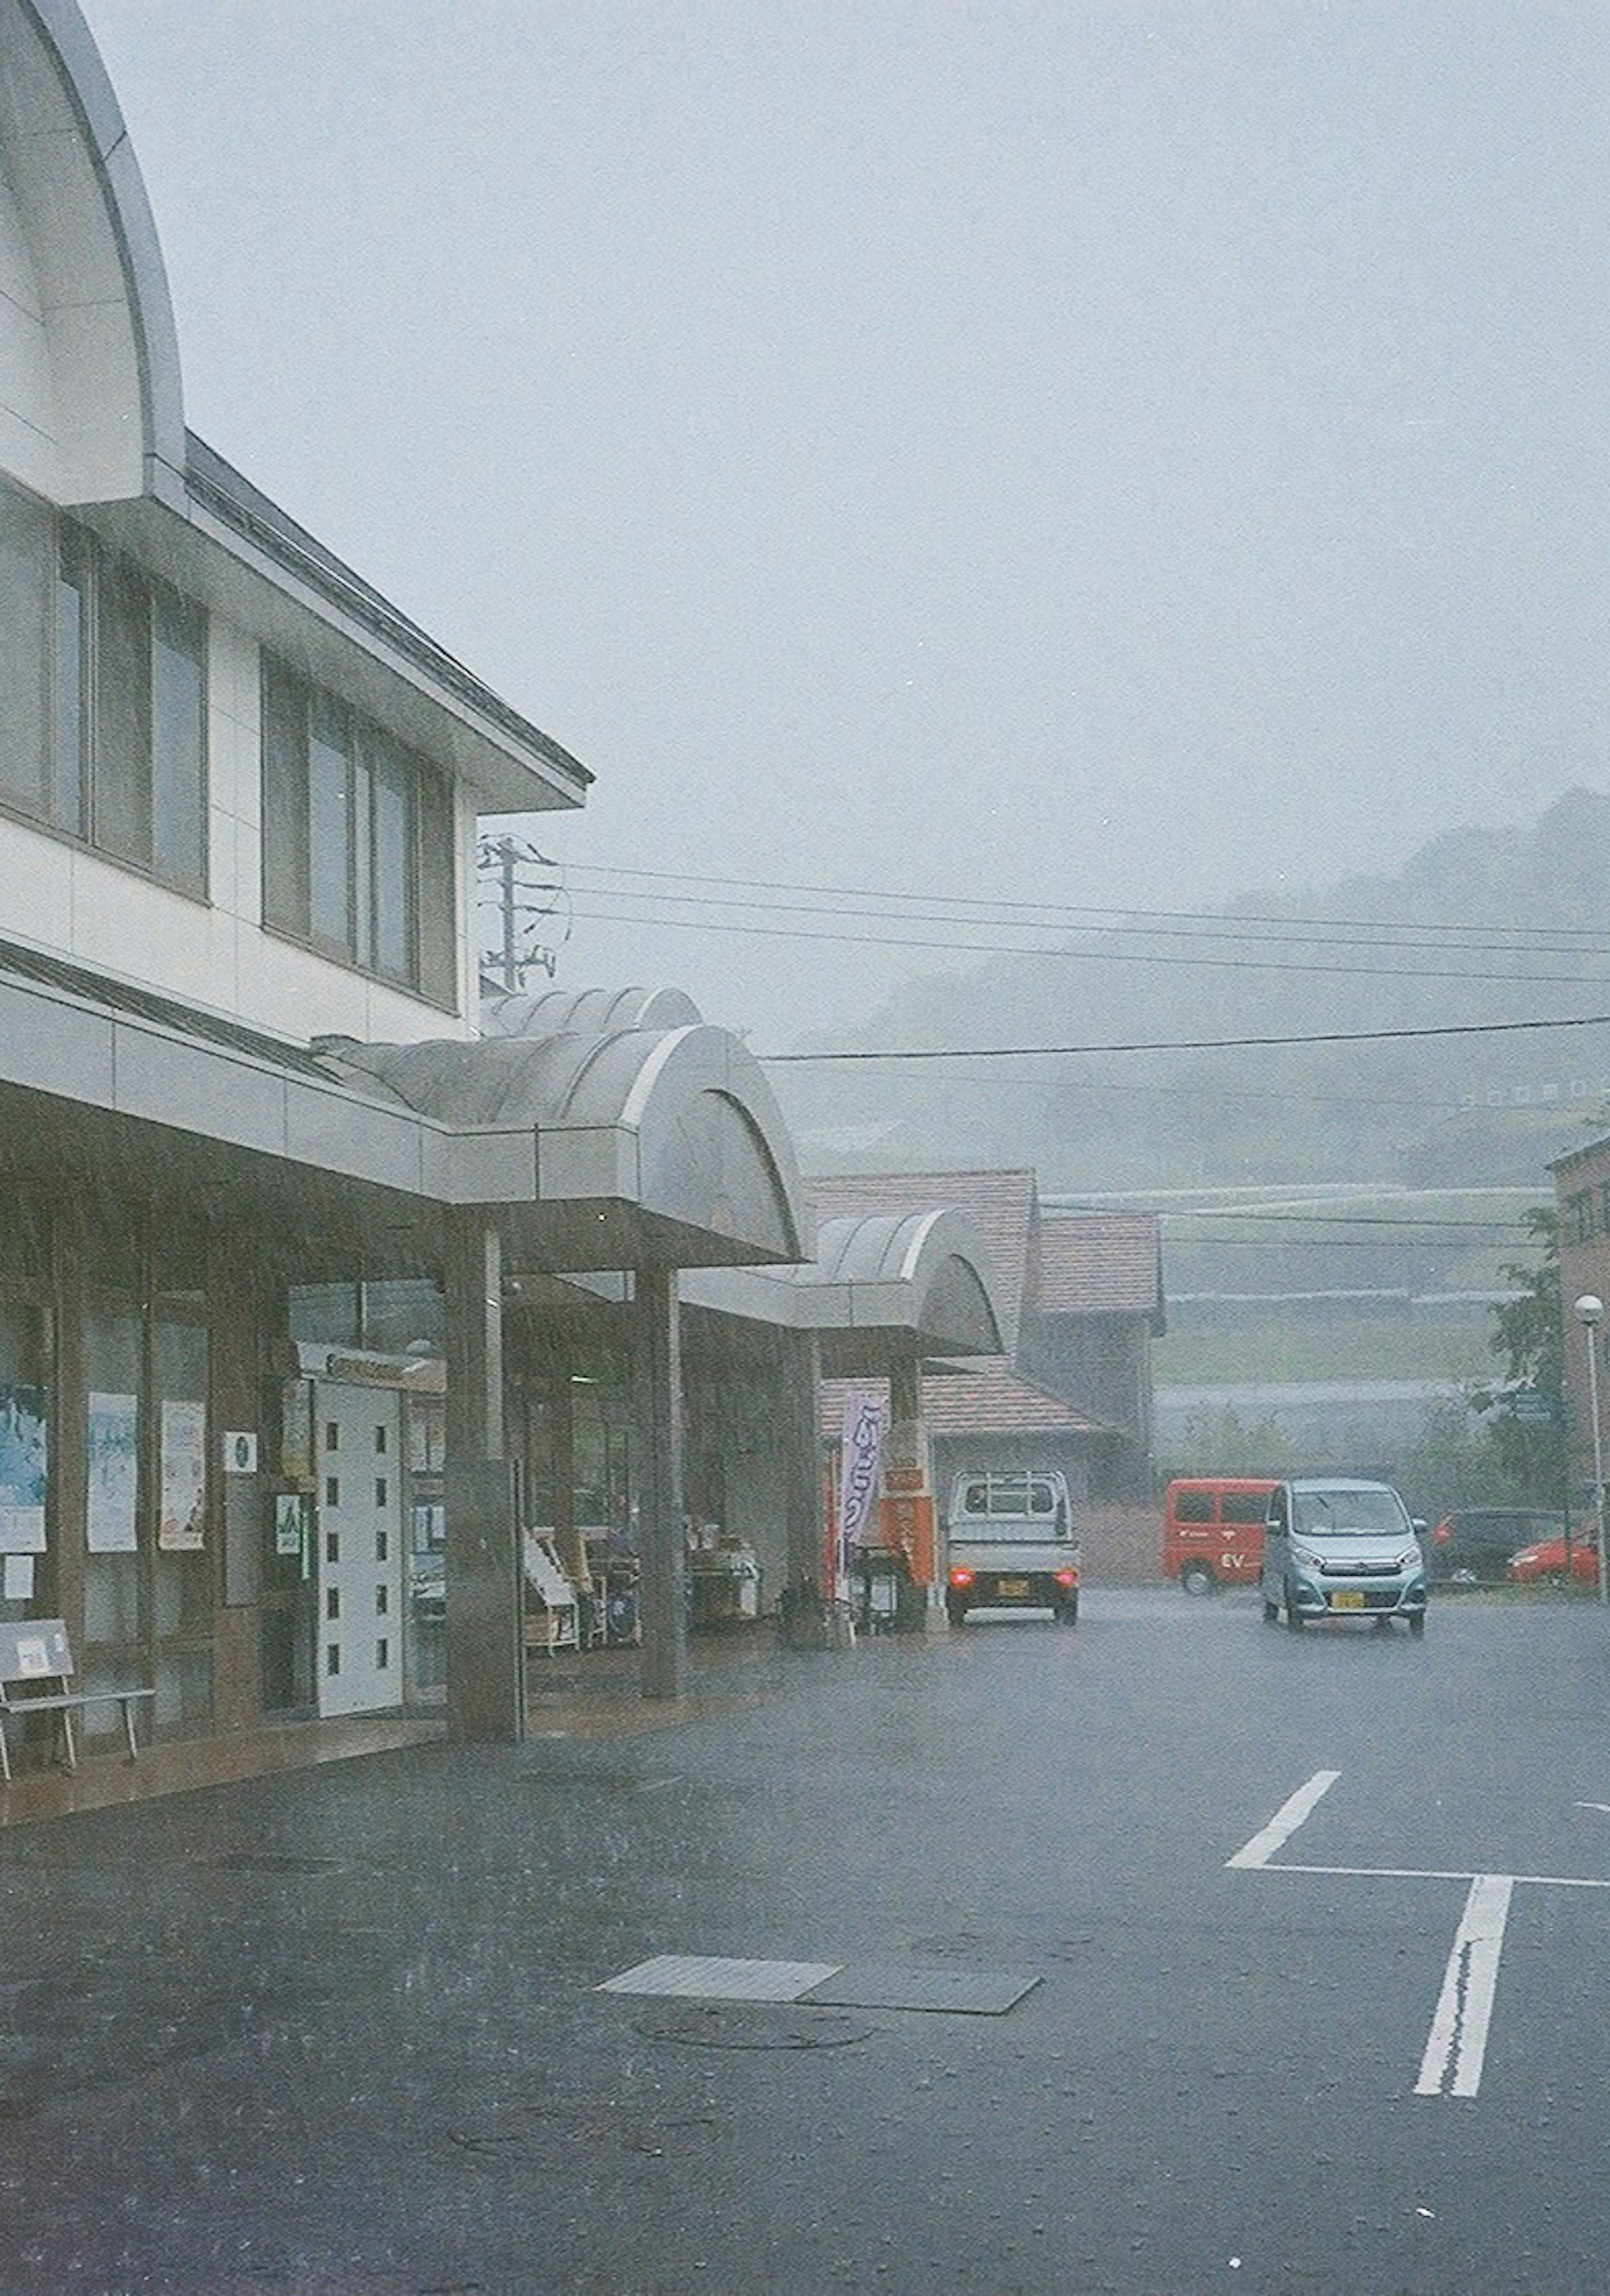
(99, 638)
(377, 892)
(109, 783)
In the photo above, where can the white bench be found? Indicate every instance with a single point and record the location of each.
(35, 1674)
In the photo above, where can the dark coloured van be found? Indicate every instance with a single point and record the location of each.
(1471, 1546)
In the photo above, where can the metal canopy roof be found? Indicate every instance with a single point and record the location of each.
(883, 1287)
(640, 1148)
(635, 1147)
(551, 1011)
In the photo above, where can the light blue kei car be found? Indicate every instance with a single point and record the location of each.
(1335, 1549)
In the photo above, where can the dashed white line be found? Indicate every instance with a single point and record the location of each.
(1452, 2064)
(1286, 1821)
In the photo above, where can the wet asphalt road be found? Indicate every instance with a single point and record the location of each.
(338, 2033)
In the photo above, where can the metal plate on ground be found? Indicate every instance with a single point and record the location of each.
(956, 1991)
(705, 1977)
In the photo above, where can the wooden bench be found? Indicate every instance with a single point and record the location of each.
(35, 1674)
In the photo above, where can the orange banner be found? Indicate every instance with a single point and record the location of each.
(907, 1528)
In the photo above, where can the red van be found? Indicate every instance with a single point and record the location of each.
(1212, 1530)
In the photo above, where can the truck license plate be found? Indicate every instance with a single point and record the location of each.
(1013, 1586)
(1349, 1599)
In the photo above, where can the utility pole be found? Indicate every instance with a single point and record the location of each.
(523, 903)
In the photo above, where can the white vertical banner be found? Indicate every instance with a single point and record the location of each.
(866, 1414)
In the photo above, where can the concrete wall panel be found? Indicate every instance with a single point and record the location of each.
(57, 1047)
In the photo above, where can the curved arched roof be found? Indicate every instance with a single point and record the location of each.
(549, 1012)
(106, 356)
(881, 1287)
(631, 1147)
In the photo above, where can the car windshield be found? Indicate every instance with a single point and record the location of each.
(1349, 1514)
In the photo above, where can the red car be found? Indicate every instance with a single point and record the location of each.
(1545, 1560)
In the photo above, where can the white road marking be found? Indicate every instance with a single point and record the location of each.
(1457, 2043)
(1452, 2064)
(1438, 1873)
(1286, 1821)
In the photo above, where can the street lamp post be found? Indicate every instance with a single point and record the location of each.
(1590, 1311)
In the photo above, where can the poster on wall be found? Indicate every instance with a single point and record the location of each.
(427, 1433)
(111, 1500)
(182, 1525)
(296, 1430)
(293, 1523)
(24, 1467)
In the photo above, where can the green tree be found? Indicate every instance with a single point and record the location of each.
(1452, 1464)
(1221, 1443)
(1528, 1337)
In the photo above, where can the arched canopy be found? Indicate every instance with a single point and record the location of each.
(885, 1287)
(552, 1012)
(636, 1147)
(92, 409)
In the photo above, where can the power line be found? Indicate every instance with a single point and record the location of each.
(1196, 1044)
(1340, 1219)
(951, 947)
(1308, 1243)
(1485, 932)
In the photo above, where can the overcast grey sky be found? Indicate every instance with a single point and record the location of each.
(1100, 453)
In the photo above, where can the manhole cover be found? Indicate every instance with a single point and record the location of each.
(731, 2025)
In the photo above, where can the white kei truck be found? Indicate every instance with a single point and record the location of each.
(1010, 1544)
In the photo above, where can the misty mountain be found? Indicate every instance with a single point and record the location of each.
(1484, 929)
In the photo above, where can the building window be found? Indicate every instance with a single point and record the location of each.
(357, 839)
(27, 546)
(103, 697)
(1579, 1215)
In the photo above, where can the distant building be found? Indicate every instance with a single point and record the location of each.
(1080, 1299)
(1581, 1196)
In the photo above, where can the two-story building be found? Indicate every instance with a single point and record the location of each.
(277, 1213)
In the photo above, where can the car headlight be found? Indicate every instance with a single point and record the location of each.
(1409, 1558)
(1304, 1557)
(1525, 1560)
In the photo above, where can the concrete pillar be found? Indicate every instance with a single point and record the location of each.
(568, 1541)
(485, 1628)
(808, 1590)
(908, 1505)
(905, 1391)
(657, 1397)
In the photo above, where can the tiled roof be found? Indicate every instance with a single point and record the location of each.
(987, 1400)
(1055, 1264)
(1004, 1203)
(1099, 1264)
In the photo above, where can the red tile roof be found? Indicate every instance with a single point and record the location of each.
(1099, 1264)
(986, 1401)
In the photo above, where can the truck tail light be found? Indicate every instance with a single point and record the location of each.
(1067, 1577)
(961, 1575)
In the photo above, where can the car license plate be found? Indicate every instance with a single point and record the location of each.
(1350, 1599)
(1013, 1586)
